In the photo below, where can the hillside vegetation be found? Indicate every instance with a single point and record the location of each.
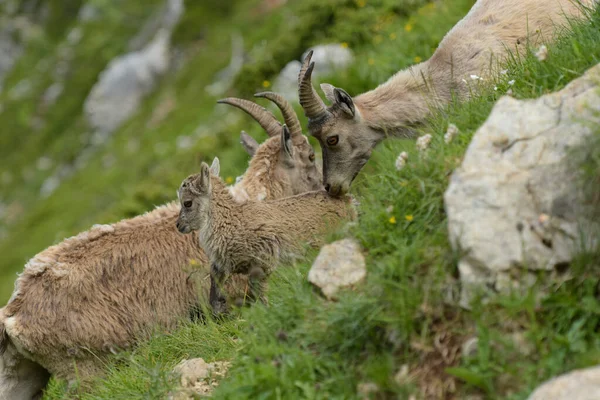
(302, 346)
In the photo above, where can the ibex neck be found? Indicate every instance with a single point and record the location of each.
(405, 100)
(221, 218)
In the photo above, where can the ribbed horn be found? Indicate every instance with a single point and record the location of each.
(263, 116)
(289, 115)
(313, 106)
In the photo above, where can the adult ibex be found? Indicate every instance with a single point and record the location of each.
(351, 127)
(109, 287)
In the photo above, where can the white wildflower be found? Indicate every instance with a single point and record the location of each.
(542, 53)
(495, 87)
(401, 160)
(475, 77)
(423, 142)
(511, 82)
(504, 72)
(450, 133)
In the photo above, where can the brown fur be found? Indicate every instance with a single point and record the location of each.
(473, 47)
(107, 288)
(250, 238)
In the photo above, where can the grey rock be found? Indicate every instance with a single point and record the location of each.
(513, 205)
(582, 384)
(88, 12)
(224, 78)
(328, 59)
(470, 347)
(125, 82)
(197, 377)
(339, 264)
(129, 78)
(52, 93)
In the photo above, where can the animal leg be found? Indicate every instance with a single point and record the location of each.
(217, 298)
(257, 279)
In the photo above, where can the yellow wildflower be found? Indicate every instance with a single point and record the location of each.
(344, 45)
(392, 220)
(418, 59)
(193, 261)
(266, 84)
(392, 36)
(371, 61)
(409, 218)
(361, 3)
(229, 179)
(408, 27)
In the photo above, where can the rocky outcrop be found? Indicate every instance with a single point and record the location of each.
(339, 264)
(582, 384)
(515, 204)
(129, 78)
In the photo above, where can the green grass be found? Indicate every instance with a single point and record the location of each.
(302, 346)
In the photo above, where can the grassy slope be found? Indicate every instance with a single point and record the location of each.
(302, 346)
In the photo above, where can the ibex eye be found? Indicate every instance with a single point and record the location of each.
(332, 140)
(187, 204)
(312, 157)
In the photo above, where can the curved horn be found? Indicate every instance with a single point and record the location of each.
(263, 116)
(313, 106)
(289, 115)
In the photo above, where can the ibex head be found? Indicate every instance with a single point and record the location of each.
(290, 156)
(194, 195)
(346, 141)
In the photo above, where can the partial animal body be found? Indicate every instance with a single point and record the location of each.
(110, 287)
(251, 238)
(351, 127)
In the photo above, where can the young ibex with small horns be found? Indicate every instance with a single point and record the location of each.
(107, 288)
(251, 238)
(351, 127)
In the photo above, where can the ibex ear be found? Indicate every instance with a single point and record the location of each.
(202, 182)
(328, 90)
(215, 167)
(343, 99)
(248, 143)
(287, 147)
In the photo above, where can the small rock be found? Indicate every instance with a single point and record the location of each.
(582, 384)
(339, 264)
(469, 347)
(199, 377)
(52, 93)
(366, 389)
(402, 376)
